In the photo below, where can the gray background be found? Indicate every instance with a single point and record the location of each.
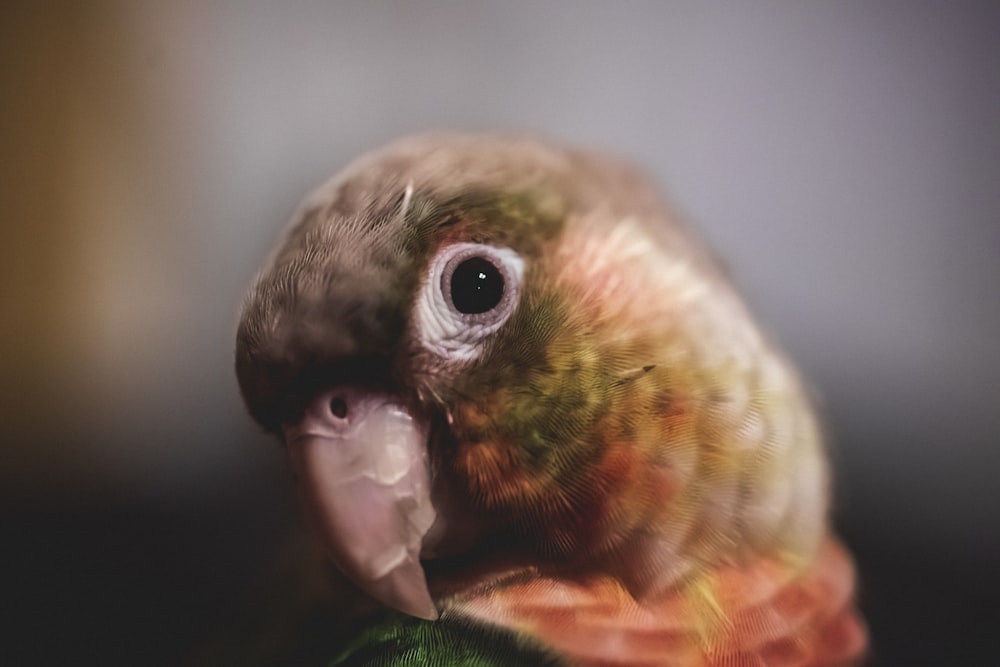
(844, 158)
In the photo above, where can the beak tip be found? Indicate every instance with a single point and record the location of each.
(428, 614)
(405, 589)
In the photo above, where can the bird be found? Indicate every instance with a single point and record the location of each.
(531, 421)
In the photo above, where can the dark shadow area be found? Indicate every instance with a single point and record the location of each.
(116, 581)
(92, 579)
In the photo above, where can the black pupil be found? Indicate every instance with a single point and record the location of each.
(476, 286)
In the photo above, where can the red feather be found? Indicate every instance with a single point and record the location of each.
(757, 614)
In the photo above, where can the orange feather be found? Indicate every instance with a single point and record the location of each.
(765, 613)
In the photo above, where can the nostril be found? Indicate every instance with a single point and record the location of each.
(338, 406)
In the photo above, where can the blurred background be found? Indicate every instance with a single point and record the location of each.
(844, 158)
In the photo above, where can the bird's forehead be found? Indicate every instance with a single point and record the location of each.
(414, 204)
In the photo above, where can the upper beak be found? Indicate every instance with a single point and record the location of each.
(361, 461)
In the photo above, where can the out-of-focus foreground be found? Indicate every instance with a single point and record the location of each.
(843, 158)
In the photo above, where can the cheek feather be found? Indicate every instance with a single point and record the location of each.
(496, 477)
(490, 470)
(628, 491)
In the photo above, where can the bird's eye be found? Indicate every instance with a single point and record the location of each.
(476, 286)
(338, 407)
(471, 290)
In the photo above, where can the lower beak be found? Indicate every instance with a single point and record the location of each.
(361, 462)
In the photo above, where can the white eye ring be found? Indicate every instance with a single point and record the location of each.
(443, 328)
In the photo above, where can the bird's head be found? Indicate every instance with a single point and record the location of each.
(477, 345)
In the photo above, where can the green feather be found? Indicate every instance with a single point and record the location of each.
(396, 639)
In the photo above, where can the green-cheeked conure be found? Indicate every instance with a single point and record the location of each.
(533, 423)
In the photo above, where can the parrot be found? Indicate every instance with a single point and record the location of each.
(532, 422)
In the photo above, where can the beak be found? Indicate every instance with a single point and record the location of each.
(361, 463)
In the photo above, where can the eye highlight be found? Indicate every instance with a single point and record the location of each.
(471, 290)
